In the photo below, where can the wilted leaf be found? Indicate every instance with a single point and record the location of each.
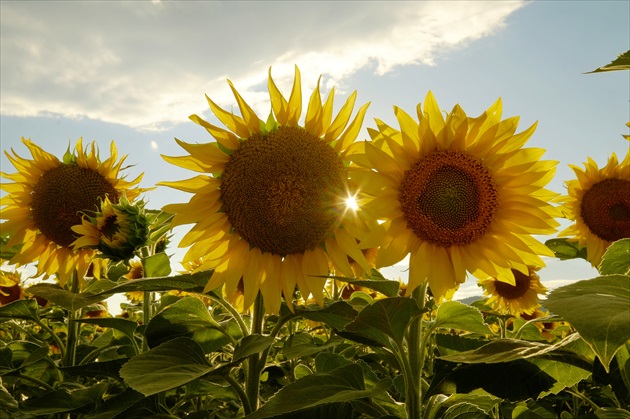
(66, 299)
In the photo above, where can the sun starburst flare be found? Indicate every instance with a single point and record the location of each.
(598, 203)
(269, 207)
(458, 194)
(47, 197)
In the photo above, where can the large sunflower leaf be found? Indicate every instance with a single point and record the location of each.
(385, 319)
(20, 309)
(616, 260)
(61, 400)
(455, 315)
(188, 317)
(64, 298)
(252, 344)
(167, 366)
(303, 344)
(599, 309)
(507, 350)
(336, 315)
(514, 381)
(341, 385)
(186, 282)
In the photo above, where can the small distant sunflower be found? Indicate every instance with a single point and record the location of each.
(10, 287)
(599, 205)
(458, 194)
(522, 297)
(136, 271)
(48, 196)
(271, 206)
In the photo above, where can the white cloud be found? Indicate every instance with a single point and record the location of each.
(147, 64)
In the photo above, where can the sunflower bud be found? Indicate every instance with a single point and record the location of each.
(117, 230)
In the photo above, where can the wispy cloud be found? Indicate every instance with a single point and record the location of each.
(146, 64)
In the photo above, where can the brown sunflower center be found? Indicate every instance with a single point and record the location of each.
(61, 196)
(282, 191)
(605, 209)
(448, 198)
(511, 292)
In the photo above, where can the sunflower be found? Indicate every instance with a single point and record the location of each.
(48, 196)
(270, 206)
(116, 230)
(458, 194)
(599, 205)
(522, 297)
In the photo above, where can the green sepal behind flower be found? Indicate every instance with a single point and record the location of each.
(116, 230)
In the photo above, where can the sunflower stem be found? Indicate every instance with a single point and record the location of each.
(415, 351)
(147, 302)
(253, 370)
(73, 326)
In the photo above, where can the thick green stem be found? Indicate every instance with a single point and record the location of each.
(415, 352)
(73, 327)
(147, 303)
(235, 314)
(253, 371)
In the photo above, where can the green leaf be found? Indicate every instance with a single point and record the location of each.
(328, 361)
(455, 315)
(250, 345)
(20, 309)
(506, 350)
(116, 405)
(335, 315)
(342, 385)
(564, 374)
(128, 327)
(599, 309)
(464, 411)
(385, 319)
(156, 265)
(566, 249)
(186, 317)
(66, 299)
(616, 260)
(169, 365)
(622, 62)
(187, 282)
(612, 413)
(384, 286)
(95, 369)
(61, 400)
(303, 344)
(514, 381)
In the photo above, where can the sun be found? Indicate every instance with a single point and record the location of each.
(458, 194)
(47, 197)
(270, 205)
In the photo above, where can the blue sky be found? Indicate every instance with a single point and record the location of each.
(133, 72)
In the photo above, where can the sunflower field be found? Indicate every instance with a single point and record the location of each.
(280, 309)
